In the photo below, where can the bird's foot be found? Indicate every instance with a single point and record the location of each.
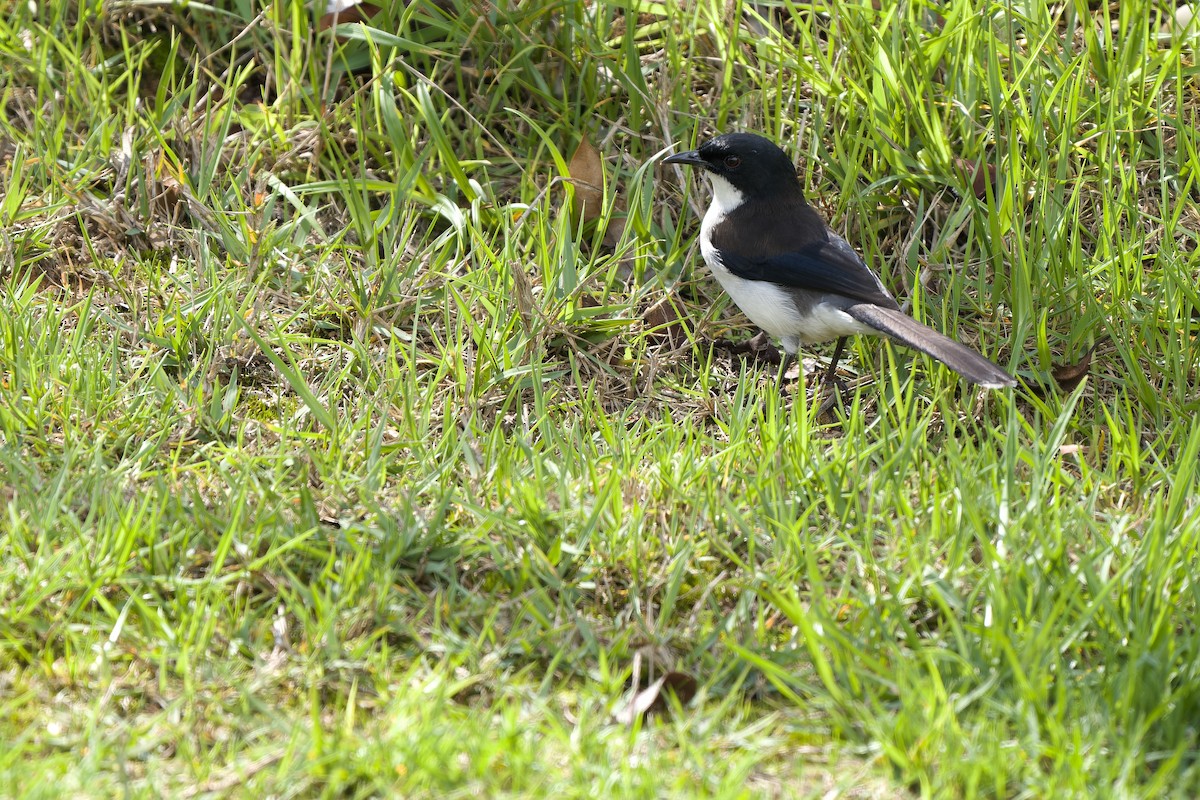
(756, 350)
(832, 391)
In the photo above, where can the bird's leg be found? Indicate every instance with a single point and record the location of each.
(784, 365)
(831, 373)
(831, 381)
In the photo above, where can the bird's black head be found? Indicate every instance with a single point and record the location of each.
(753, 165)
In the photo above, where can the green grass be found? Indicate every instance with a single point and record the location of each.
(339, 459)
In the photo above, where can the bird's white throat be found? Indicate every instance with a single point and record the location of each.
(725, 197)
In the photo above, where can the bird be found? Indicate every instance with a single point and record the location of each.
(791, 274)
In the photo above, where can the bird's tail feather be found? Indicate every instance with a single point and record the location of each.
(956, 356)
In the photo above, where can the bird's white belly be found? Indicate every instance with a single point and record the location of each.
(774, 310)
(767, 306)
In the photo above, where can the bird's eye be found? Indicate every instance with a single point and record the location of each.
(733, 162)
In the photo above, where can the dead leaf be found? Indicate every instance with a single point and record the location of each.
(586, 171)
(612, 236)
(173, 196)
(981, 173)
(653, 699)
(662, 320)
(1068, 376)
(346, 12)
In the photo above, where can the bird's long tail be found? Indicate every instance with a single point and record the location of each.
(956, 356)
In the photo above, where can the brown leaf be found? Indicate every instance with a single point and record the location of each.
(981, 173)
(612, 236)
(653, 699)
(1068, 376)
(662, 320)
(342, 12)
(586, 171)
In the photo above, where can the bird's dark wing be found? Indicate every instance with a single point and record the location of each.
(821, 265)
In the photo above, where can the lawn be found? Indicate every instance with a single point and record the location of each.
(370, 426)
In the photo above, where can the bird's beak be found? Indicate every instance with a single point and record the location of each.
(690, 157)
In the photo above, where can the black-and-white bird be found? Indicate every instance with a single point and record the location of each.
(793, 276)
